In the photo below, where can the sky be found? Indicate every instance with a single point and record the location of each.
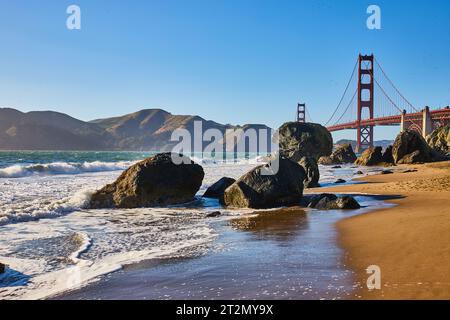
(231, 61)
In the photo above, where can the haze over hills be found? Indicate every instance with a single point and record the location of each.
(145, 130)
(378, 143)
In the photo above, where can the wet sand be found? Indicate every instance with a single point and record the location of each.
(279, 254)
(409, 242)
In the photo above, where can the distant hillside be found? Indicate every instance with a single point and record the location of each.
(148, 130)
(381, 143)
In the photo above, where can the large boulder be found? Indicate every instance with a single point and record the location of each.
(155, 181)
(343, 154)
(278, 183)
(370, 157)
(439, 140)
(312, 172)
(298, 140)
(325, 161)
(410, 147)
(217, 189)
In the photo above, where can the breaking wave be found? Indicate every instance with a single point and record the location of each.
(54, 168)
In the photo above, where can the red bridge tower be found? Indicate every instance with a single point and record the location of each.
(365, 101)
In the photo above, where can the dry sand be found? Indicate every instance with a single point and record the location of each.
(409, 242)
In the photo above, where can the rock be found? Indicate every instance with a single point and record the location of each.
(298, 140)
(214, 214)
(347, 203)
(439, 140)
(336, 167)
(331, 202)
(317, 198)
(155, 181)
(325, 161)
(409, 171)
(2, 268)
(217, 189)
(312, 172)
(410, 147)
(359, 172)
(340, 181)
(267, 187)
(343, 154)
(387, 156)
(387, 172)
(370, 157)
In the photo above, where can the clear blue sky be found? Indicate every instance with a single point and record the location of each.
(232, 61)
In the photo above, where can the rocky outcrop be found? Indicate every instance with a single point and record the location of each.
(343, 154)
(439, 140)
(298, 140)
(278, 183)
(312, 172)
(370, 157)
(217, 189)
(2, 268)
(155, 181)
(410, 147)
(387, 157)
(328, 201)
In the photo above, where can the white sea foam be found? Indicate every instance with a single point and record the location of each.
(54, 168)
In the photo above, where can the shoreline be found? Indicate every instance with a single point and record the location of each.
(410, 242)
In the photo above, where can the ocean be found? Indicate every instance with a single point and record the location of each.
(56, 247)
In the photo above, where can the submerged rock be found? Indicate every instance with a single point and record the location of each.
(359, 172)
(370, 157)
(340, 181)
(298, 140)
(312, 172)
(217, 189)
(278, 183)
(409, 147)
(2, 268)
(155, 181)
(387, 172)
(439, 140)
(328, 201)
(214, 214)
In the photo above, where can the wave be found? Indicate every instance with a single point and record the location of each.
(54, 168)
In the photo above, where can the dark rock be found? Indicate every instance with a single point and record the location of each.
(336, 167)
(347, 203)
(278, 183)
(387, 172)
(214, 214)
(409, 147)
(217, 189)
(370, 157)
(331, 202)
(312, 172)
(2, 268)
(320, 197)
(298, 140)
(155, 181)
(359, 172)
(439, 140)
(340, 181)
(343, 154)
(409, 171)
(387, 156)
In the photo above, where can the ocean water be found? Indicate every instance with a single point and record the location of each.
(53, 244)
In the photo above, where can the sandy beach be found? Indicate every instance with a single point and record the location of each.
(409, 242)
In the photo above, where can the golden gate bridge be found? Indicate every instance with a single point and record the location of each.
(376, 101)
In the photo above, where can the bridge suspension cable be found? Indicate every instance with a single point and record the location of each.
(343, 95)
(393, 85)
(346, 109)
